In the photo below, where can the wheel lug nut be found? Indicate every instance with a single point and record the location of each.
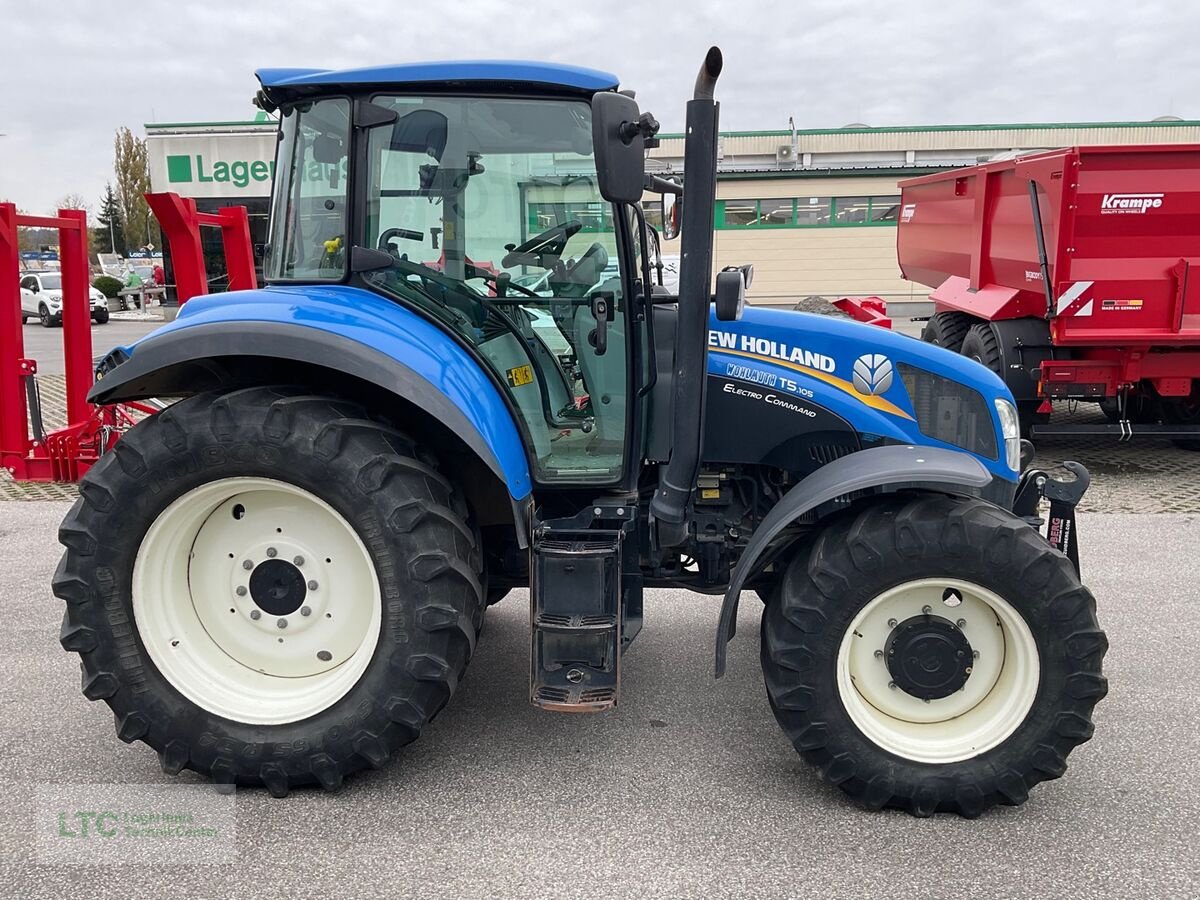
(255, 615)
(961, 623)
(879, 654)
(281, 623)
(299, 561)
(272, 552)
(892, 623)
(305, 611)
(312, 585)
(975, 654)
(324, 655)
(927, 609)
(892, 685)
(247, 565)
(241, 590)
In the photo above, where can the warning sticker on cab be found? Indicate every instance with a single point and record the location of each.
(520, 375)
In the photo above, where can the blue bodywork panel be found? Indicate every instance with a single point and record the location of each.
(813, 358)
(497, 71)
(389, 329)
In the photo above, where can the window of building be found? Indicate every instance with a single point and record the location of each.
(813, 210)
(852, 210)
(807, 212)
(885, 210)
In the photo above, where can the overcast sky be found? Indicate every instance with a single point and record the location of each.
(74, 70)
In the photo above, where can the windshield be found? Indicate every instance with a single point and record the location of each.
(308, 210)
(490, 212)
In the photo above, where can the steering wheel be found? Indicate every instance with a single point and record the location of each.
(551, 242)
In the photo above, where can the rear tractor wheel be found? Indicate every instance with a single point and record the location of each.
(302, 583)
(933, 655)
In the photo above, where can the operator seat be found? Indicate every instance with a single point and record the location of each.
(580, 278)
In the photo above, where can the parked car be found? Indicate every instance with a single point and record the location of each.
(41, 298)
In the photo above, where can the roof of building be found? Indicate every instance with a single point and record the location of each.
(919, 129)
(495, 71)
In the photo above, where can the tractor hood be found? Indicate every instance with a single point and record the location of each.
(789, 373)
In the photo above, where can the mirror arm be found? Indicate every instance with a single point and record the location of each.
(658, 185)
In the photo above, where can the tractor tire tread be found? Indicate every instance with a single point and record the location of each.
(874, 542)
(438, 544)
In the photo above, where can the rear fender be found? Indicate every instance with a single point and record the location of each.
(883, 469)
(341, 328)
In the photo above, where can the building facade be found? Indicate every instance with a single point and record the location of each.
(815, 210)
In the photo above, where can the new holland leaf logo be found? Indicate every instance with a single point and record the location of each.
(872, 374)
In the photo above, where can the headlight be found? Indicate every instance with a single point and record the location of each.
(1010, 428)
(950, 411)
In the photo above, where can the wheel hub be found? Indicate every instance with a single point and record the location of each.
(928, 657)
(277, 587)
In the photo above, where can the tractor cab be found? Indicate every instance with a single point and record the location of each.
(486, 211)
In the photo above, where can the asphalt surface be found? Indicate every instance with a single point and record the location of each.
(689, 789)
(45, 344)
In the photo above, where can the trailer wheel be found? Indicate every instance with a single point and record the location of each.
(933, 654)
(269, 588)
(947, 329)
(1184, 411)
(982, 344)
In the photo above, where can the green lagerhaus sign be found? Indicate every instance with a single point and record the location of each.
(240, 173)
(194, 168)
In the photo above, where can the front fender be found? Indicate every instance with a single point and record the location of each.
(885, 469)
(343, 328)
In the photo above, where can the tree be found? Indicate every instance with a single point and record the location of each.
(110, 228)
(132, 169)
(76, 201)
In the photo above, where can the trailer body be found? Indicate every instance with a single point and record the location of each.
(1118, 287)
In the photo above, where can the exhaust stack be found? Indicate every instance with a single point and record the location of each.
(678, 477)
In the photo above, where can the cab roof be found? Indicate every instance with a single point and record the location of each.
(498, 72)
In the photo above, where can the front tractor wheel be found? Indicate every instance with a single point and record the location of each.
(302, 584)
(933, 655)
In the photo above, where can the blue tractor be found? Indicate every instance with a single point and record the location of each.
(464, 376)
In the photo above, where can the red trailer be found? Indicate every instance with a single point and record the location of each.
(1070, 274)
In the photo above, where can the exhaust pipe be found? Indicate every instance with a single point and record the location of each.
(678, 477)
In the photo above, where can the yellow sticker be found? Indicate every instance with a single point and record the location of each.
(710, 493)
(520, 375)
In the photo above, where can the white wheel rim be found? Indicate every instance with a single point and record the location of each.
(990, 706)
(203, 627)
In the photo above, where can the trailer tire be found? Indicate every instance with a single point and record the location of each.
(1183, 411)
(982, 344)
(1038, 676)
(947, 329)
(394, 606)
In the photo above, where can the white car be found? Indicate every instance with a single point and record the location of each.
(41, 298)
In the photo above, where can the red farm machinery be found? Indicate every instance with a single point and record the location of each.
(29, 451)
(1074, 274)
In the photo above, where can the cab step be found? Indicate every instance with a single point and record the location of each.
(577, 620)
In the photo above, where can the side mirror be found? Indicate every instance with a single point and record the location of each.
(619, 147)
(672, 216)
(730, 295)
